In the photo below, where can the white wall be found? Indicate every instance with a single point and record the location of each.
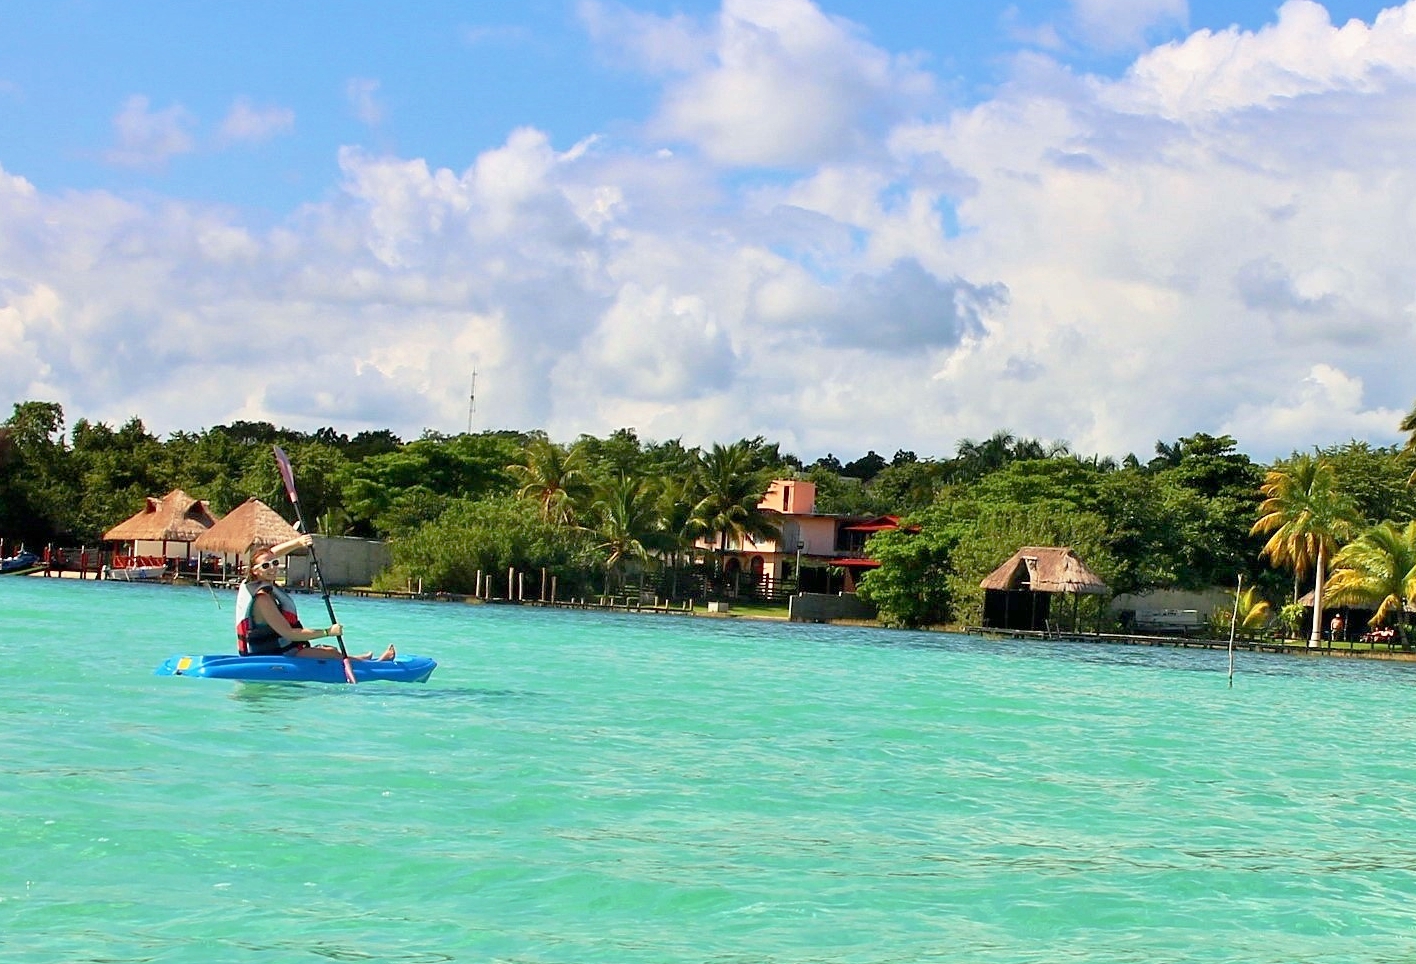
(1206, 601)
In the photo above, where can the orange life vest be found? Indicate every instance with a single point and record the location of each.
(258, 639)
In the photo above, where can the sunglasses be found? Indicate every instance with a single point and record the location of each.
(269, 564)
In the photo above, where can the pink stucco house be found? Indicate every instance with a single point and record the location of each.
(805, 538)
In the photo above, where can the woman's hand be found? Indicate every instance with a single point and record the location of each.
(335, 630)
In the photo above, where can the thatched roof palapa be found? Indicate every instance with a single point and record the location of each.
(251, 525)
(1046, 569)
(1332, 601)
(176, 517)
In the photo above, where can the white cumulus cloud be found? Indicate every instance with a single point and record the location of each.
(1215, 240)
(246, 122)
(148, 138)
(362, 94)
(769, 82)
(1301, 54)
(1328, 404)
(1124, 24)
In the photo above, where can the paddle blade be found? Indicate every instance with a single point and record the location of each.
(286, 475)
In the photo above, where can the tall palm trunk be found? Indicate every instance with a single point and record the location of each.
(1316, 639)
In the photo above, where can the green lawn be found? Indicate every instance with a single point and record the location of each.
(759, 609)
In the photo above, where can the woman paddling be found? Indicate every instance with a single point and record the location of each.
(266, 622)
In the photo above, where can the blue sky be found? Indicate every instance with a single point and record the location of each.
(842, 224)
(452, 78)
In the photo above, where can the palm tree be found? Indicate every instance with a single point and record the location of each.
(1291, 551)
(973, 460)
(732, 486)
(1408, 425)
(1253, 612)
(555, 477)
(1167, 456)
(1305, 515)
(1378, 568)
(681, 529)
(627, 523)
(1101, 463)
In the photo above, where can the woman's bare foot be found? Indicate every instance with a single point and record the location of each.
(389, 654)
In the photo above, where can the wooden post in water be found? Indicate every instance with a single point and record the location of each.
(553, 589)
(1233, 622)
(543, 584)
(510, 583)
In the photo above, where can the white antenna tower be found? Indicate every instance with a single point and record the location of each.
(472, 401)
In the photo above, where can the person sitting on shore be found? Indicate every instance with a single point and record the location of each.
(266, 621)
(1381, 634)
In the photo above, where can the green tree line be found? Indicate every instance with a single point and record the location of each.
(595, 512)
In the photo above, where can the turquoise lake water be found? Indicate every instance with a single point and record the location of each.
(583, 787)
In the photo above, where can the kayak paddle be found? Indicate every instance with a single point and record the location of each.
(288, 477)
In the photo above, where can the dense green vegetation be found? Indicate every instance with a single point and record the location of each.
(600, 512)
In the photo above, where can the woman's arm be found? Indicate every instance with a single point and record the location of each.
(290, 545)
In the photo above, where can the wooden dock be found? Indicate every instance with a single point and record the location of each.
(1295, 647)
(602, 603)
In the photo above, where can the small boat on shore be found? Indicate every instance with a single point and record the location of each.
(298, 669)
(19, 562)
(135, 573)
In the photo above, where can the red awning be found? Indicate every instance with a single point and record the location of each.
(878, 524)
(884, 523)
(855, 563)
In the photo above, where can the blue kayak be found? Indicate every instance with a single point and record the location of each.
(298, 669)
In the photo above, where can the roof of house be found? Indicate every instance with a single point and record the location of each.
(881, 523)
(176, 517)
(1045, 569)
(251, 525)
(1330, 601)
(877, 524)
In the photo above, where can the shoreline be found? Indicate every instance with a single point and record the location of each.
(1276, 647)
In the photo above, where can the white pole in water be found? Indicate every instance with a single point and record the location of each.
(1234, 621)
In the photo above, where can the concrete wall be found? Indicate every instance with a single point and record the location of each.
(343, 562)
(809, 607)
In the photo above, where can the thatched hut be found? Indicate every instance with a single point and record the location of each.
(251, 525)
(176, 518)
(1018, 594)
(1356, 618)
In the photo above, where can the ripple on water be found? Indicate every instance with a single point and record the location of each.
(575, 787)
